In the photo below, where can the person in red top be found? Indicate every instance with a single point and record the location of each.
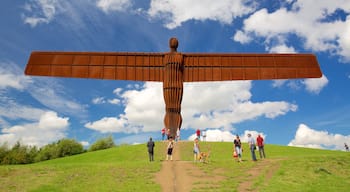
(163, 133)
(198, 133)
(260, 143)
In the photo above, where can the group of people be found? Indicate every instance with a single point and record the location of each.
(166, 132)
(237, 149)
(253, 144)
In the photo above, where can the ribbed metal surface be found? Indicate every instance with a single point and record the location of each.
(117, 66)
(173, 69)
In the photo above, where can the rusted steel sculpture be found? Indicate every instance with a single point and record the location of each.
(173, 68)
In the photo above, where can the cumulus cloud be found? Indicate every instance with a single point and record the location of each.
(48, 128)
(320, 25)
(217, 105)
(312, 85)
(315, 85)
(175, 12)
(308, 137)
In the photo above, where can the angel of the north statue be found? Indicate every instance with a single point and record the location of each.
(173, 69)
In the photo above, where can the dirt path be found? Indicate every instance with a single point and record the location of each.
(181, 176)
(266, 168)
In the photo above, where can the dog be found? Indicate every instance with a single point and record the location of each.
(204, 157)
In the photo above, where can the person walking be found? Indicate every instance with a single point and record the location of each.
(150, 146)
(196, 150)
(252, 146)
(260, 143)
(238, 148)
(170, 148)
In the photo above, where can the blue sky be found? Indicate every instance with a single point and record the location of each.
(303, 112)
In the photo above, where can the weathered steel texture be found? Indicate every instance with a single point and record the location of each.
(173, 69)
(117, 66)
(226, 67)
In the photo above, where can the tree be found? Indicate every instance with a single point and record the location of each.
(103, 143)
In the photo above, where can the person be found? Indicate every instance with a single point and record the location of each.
(198, 133)
(150, 146)
(163, 133)
(238, 148)
(170, 149)
(168, 134)
(177, 135)
(252, 146)
(204, 134)
(346, 147)
(195, 150)
(260, 143)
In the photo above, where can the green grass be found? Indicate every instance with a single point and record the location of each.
(126, 168)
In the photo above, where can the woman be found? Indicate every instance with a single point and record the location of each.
(170, 149)
(238, 148)
(195, 150)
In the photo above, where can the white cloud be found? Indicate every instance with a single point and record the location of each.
(282, 48)
(315, 85)
(11, 76)
(49, 128)
(308, 137)
(113, 5)
(176, 12)
(114, 101)
(41, 11)
(310, 20)
(108, 125)
(214, 105)
(51, 93)
(312, 85)
(98, 100)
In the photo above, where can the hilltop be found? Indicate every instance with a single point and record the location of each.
(126, 168)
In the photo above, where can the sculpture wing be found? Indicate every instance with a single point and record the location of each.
(224, 67)
(98, 65)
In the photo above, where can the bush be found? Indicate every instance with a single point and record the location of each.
(103, 143)
(62, 148)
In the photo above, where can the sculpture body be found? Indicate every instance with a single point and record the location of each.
(173, 68)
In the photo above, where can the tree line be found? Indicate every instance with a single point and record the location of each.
(24, 154)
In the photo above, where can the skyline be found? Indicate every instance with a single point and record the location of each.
(304, 112)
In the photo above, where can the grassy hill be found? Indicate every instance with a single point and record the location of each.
(126, 168)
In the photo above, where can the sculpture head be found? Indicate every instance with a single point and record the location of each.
(173, 44)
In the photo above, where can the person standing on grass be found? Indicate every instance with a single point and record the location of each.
(195, 150)
(198, 133)
(260, 143)
(177, 135)
(170, 148)
(163, 133)
(204, 135)
(346, 147)
(238, 148)
(150, 146)
(252, 146)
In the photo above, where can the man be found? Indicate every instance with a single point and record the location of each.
(198, 133)
(260, 143)
(252, 146)
(150, 146)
